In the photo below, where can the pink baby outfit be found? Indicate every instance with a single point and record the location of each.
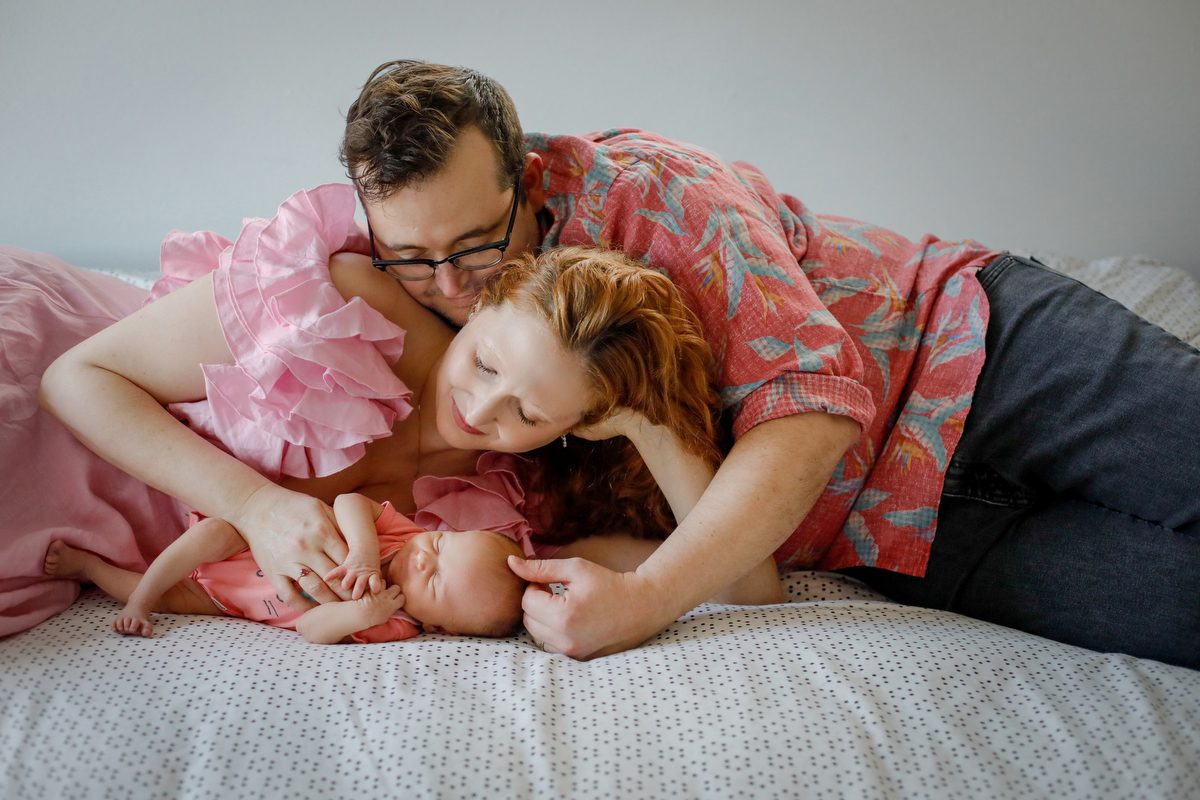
(238, 587)
(311, 385)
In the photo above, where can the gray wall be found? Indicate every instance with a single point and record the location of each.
(1070, 126)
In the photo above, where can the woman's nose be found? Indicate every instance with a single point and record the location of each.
(483, 411)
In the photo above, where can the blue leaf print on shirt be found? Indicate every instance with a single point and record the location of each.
(947, 347)
(920, 426)
(848, 232)
(921, 520)
(891, 327)
(831, 289)
(860, 538)
(672, 195)
(732, 395)
(809, 360)
(768, 348)
(870, 499)
(727, 234)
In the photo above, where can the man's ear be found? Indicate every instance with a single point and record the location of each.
(432, 628)
(531, 181)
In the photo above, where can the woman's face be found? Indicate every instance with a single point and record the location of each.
(505, 383)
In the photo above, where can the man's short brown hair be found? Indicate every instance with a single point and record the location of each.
(407, 117)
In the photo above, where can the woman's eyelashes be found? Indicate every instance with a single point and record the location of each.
(486, 370)
(480, 366)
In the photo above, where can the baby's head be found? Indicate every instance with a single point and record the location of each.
(459, 582)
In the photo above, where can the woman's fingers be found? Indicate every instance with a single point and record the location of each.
(310, 582)
(288, 533)
(286, 591)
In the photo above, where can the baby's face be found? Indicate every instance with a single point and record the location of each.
(445, 577)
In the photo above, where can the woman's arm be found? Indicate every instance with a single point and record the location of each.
(110, 391)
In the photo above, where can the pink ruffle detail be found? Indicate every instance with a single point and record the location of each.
(492, 500)
(312, 383)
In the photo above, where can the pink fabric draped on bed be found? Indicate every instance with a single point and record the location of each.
(53, 487)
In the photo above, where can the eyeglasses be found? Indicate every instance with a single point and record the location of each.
(469, 260)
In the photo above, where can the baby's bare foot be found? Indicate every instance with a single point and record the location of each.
(132, 622)
(64, 561)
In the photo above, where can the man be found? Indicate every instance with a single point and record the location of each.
(449, 188)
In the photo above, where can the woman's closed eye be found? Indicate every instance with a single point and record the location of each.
(482, 368)
(486, 370)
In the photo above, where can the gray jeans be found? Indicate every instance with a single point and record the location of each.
(1071, 508)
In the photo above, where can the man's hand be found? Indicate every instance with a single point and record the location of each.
(295, 541)
(601, 612)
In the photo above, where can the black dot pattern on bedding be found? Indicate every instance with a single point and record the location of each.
(835, 694)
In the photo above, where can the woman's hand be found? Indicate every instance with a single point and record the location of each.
(622, 422)
(295, 541)
(600, 613)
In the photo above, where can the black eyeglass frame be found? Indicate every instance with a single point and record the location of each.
(384, 264)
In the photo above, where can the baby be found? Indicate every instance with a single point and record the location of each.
(402, 579)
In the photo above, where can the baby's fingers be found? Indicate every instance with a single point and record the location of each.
(376, 583)
(337, 572)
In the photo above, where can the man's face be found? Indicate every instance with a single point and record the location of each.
(460, 207)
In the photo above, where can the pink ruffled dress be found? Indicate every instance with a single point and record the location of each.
(311, 387)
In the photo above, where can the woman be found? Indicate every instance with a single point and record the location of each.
(278, 357)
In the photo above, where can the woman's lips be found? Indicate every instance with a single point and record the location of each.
(461, 422)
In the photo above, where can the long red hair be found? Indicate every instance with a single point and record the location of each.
(642, 348)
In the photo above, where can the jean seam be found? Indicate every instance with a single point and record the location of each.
(1128, 515)
(990, 273)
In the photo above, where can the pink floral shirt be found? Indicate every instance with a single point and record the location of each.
(806, 312)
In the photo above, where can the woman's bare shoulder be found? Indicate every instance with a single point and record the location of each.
(354, 276)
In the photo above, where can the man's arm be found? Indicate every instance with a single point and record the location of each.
(770, 481)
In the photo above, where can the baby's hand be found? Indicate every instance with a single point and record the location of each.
(360, 572)
(378, 608)
(132, 622)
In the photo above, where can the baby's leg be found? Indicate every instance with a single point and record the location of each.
(166, 586)
(64, 561)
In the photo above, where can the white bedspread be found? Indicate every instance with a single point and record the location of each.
(835, 694)
(822, 697)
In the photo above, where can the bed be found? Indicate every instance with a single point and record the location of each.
(835, 693)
